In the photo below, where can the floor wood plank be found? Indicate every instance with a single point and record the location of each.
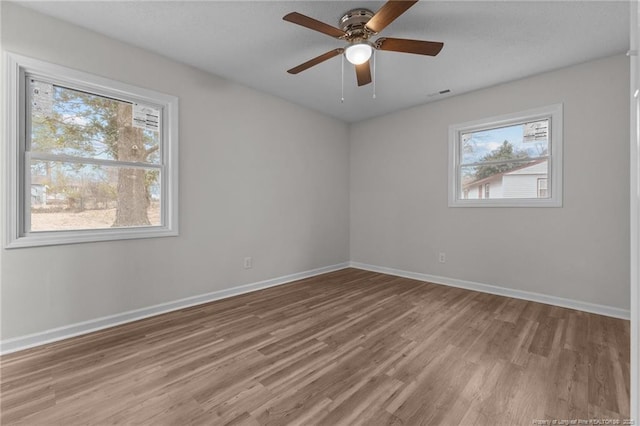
(347, 347)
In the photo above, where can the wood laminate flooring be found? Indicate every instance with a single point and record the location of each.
(348, 347)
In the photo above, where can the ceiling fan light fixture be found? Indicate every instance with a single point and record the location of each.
(358, 53)
(356, 27)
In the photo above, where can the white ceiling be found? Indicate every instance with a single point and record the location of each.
(485, 43)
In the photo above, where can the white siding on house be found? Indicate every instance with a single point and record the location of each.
(520, 183)
(521, 186)
(495, 190)
(536, 169)
(523, 183)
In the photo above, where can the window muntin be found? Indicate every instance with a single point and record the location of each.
(91, 159)
(501, 159)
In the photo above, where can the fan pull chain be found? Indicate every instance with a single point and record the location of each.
(342, 68)
(374, 75)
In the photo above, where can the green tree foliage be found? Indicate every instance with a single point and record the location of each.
(499, 163)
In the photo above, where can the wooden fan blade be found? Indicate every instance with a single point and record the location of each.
(315, 61)
(388, 13)
(363, 73)
(419, 47)
(313, 24)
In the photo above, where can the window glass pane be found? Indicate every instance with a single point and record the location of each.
(75, 123)
(508, 179)
(507, 165)
(519, 141)
(73, 196)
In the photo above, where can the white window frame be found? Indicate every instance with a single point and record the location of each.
(551, 112)
(16, 174)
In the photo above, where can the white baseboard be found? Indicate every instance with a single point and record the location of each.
(609, 311)
(24, 342)
(48, 336)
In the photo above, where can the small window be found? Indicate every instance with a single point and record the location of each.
(542, 188)
(94, 159)
(511, 161)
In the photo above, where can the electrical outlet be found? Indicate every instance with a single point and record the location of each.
(248, 263)
(442, 257)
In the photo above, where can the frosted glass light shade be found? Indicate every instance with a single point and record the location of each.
(358, 53)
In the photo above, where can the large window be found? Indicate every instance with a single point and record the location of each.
(89, 159)
(509, 161)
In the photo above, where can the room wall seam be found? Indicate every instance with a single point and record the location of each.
(579, 305)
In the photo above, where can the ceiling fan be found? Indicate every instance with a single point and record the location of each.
(356, 28)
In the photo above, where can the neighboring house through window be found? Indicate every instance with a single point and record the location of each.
(513, 160)
(542, 188)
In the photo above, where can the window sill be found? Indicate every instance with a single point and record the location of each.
(520, 202)
(52, 238)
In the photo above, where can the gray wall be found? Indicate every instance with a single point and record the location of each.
(399, 213)
(258, 177)
(261, 177)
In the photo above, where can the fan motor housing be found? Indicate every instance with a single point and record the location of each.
(353, 23)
